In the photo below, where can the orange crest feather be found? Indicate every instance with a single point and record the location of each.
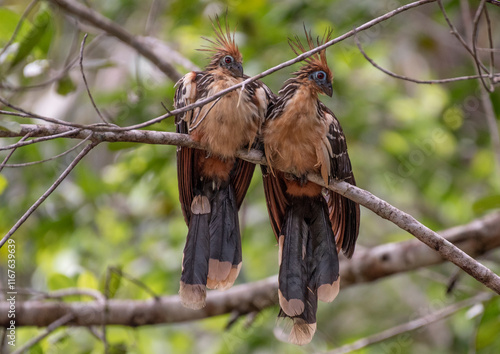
(224, 43)
(317, 60)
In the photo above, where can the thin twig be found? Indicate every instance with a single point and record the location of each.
(50, 328)
(4, 162)
(89, 15)
(26, 114)
(204, 116)
(59, 75)
(82, 47)
(18, 26)
(134, 281)
(43, 138)
(485, 98)
(397, 76)
(455, 33)
(412, 325)
(490, 42)
(25, 164)
(49, 191)
(477, 61)
(105, 24)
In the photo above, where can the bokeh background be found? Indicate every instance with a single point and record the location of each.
(424, 148)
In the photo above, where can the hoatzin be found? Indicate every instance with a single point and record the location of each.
(301, 135)
(213, 183)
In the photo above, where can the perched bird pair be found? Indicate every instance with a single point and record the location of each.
(300, 135)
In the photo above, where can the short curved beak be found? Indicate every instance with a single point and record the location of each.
(327, 89)
(237, 69)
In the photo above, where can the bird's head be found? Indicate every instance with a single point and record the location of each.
(316, 72)
(226, 55)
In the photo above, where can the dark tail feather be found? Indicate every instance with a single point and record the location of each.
(195, 258)
(304, 325)
(293, 268)
(225, 241)
(309, 265)
(325, 262)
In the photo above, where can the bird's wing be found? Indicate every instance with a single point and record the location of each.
(344, 213)
(185, 94)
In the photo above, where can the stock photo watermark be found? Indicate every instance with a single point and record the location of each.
(11, 292)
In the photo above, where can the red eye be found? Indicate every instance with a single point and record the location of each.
(321, 75)
(228, 60)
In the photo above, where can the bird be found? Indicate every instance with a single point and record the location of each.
(213, 182)
(312, 224)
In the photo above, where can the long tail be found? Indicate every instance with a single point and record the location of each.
(212, 255)
(195, 257)
(225, 240)
(309, 267)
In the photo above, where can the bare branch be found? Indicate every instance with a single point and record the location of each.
(475, 26)
(413, 325)
(49, 191)
(26, 114)
(457, 35)
(476, 238)
(50, 328)
(485, 98)
(4, 162)
(390, 73)
(108, 26)
(25, 164)
(365, 198)
(85, 80)
(408, 223)
(58, 75)
(88, 14)
(44, 137)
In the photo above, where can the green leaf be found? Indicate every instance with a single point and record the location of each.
(59, 281)
(487, 203)
(487, 338)
(65, 86)
(33, 37)
(8, 24)
(10, 126)
(114, 283)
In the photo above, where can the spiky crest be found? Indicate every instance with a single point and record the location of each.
(316, 61)
(223, 44)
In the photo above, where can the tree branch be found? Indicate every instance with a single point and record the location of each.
(413, 325)
(49, 191)
(408, 223)
(105, 24)
(96, 19)
(365, 198)
(476, 238)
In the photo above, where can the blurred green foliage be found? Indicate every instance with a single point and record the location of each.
(423, 148)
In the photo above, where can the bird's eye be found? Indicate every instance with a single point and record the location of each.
(320, 75)
(228, 59)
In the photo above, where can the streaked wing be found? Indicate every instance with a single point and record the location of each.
(274, 190)
(241, 178)
(184, 95)
(344, 213)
